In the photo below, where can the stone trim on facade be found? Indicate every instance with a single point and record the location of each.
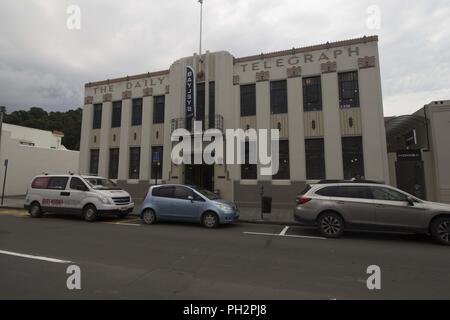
(147, 92)
(107, 97)
(88, 100)
(367, 62)
(328, 67)
(126, 95)
(262, 76)
(294, 72)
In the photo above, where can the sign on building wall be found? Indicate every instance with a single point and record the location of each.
(409, 155)
(190, 92)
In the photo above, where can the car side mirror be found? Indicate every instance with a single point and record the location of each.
(410, 201)
(191, 198)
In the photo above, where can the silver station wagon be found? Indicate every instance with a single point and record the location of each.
(334, 207)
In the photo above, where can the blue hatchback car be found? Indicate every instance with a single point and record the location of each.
(174, 202)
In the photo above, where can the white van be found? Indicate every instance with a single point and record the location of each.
(88, 196)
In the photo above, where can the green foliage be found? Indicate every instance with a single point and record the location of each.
(68, 122)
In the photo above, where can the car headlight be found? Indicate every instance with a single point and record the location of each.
(104, 199)
(224, 207)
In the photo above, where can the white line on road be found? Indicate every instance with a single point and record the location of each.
(128, 224)
(283, 232)
(286, 235)
(22, 255)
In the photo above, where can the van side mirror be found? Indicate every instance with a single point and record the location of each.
(81, 188)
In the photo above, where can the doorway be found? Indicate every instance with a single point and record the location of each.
(201, 175)
(410, 177)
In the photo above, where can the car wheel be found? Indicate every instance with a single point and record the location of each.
(35, 210)
(440, 230)
(331, 225)
(210, 220)
(149, 216)
(90, 213)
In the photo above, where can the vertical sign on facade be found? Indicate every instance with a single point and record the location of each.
(190, 92)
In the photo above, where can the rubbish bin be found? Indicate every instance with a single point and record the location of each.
(266, 204)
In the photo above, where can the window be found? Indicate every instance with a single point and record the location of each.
(328, 191)
(248, 171)
(157, 161)
(248, 100)
(380, 193)
(57, 183)
(283, 172)
(97, 118)
(312, 94)
(135, 158)
(77, 184)
(158, 109)
(182, 193)
(278, 97)
(166, 192)
(116, 116)
(113, 163)
(93, 163)
(348, 90)
(359, 192)
(315, 159)
(136, 112)
(40, 183)
(212, 104)
(352, 156)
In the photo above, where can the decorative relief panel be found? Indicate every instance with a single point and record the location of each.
(294, 72)
(329, 67)
(167, 89)
(126, 95)
(147, 92)
(88, 100)
(235, 80)
(366, 62)
(107, 97)
(262, 76)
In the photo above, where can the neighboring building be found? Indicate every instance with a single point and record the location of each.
(31, 152)
(419, 151)
(325, 99)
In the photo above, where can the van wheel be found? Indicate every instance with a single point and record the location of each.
(210, 220)
(440, 230)
(35, 210)
(148, 216)
(331, 225)
(90, 213)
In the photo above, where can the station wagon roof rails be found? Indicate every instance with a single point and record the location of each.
(347, 181)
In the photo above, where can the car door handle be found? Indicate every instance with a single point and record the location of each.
(341, 202)
(66, 194)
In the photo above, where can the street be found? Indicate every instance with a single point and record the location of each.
(123, 259)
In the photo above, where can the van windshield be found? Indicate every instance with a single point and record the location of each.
(101, 184)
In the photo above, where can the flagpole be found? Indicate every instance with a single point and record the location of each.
(201, 26)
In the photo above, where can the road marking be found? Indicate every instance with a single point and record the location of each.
(285, 235)
(123, 224)
(22, 255)
(283, 232)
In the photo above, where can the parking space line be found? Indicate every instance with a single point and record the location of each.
(285, 235)
(122, 223)
(28, 256)
(283, 232)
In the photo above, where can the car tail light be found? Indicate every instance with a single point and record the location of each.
(146, 194)
(303, 200)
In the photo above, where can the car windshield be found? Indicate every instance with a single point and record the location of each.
(210, 195)
(101, 184)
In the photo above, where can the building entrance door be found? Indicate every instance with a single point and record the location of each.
(201, 175)
(409, 170)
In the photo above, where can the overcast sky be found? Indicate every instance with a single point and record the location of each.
(43, 63)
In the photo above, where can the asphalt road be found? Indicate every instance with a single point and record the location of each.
(122, 259)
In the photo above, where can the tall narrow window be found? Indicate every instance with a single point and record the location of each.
(93, 163)
(212, 104)
(157, 162)
(283, 172)
(200, 116)
(248, 170)
(352, 156)
(278, 97)
(248, 100)
(136, 112)
(113, 163)
(348, 90)
(158, 109)
(312, 94)
(135, 158)
(116, 115)
(315, 159)
(97, 116)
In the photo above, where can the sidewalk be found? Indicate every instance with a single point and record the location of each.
(247, 214)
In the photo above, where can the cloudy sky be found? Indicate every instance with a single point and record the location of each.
(43, 63)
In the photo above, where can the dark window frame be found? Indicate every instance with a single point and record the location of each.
(116, 114)
(134, 163)
(97, 116)
(159, 106)
(113, 168)
(248, 100)
(284, 172)
(278, 97)
(93, 161)
(315, 159)
(312, 93)
(248, 171)
(156, 171)
(136, 111)
(348, 83)
(353, 157)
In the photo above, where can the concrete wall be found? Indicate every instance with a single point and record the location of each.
(25, 162)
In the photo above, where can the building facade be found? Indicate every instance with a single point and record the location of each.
(419, 153)
(325, 99)
(30, 152)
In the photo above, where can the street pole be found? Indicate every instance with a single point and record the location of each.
(4, 180)
(2, 111)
